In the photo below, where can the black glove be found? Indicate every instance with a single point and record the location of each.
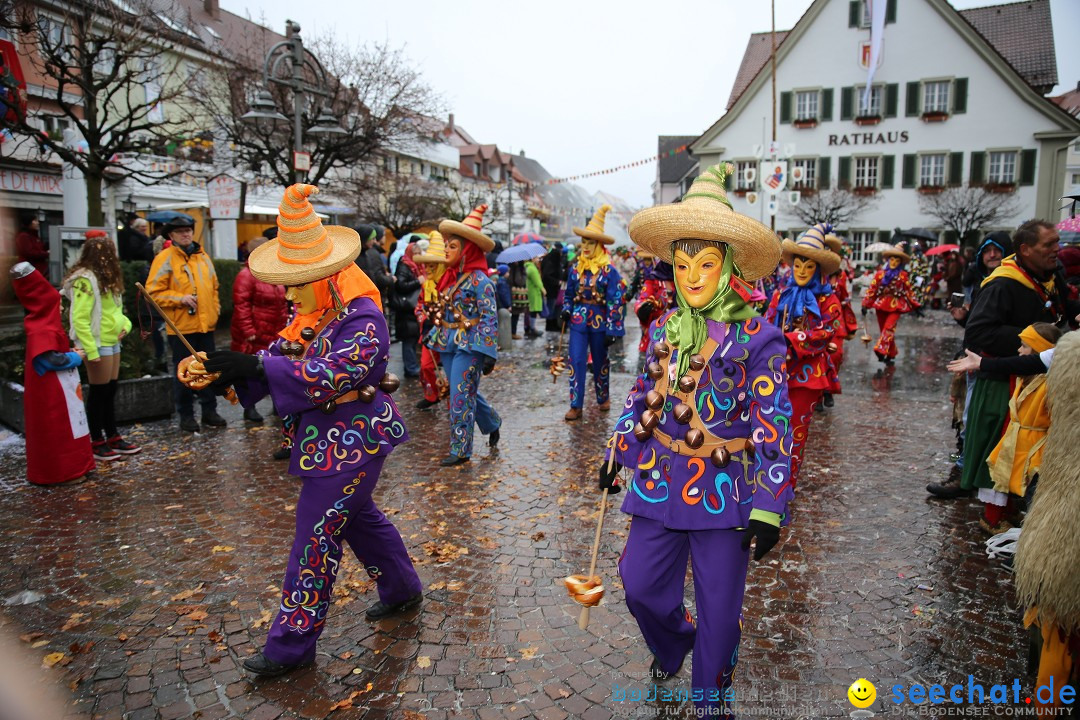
(610, 479)
(767, 536)
(865, 310)
(232, 365)
(610, 340)
(566, 316)
(489, 365)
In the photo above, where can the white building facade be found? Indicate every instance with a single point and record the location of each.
(954, 112)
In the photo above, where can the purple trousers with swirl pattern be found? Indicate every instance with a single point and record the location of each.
(332, 511)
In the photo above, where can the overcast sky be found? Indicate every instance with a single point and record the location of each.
(582, 85)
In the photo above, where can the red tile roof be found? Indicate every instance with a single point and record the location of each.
(1023, 34)
(1070, 101)
(758, 50)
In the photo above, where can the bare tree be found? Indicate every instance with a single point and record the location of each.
(374, 93)
(109, 76)
(967, 209)
(837, 206)
(401, 202)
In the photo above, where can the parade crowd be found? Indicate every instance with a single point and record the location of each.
(743, 341)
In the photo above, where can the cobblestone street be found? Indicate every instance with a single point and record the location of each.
(157, 576)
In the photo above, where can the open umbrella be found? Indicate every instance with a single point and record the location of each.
(165, 216)
(942, 249)
(921, 233)
(528, 237)
(517, 253)
(1070, 224)
(879, 247)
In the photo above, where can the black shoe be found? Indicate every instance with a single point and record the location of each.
(283, 453)
(950, 489)
(889, 361)
(380, 610)
(493, 438)
(827, 400)
(451, 460)
(212, 419)
(532, 335)
(261, 666)
(657, 673)
(819, 406)
(252, 415)
(188, 424)
(425, 404)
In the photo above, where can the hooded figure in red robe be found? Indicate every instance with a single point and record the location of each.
(57, 434)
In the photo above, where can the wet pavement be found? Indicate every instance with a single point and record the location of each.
(161, 573)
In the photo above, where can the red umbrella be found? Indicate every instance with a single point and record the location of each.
(942, 249)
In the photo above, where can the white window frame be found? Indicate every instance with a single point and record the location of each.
(931, 171)
(940, 105)
(860, 240)
(870, 168)
(55, 32)
(740, 172)
(877, 101)
(813, 105)
(809, 166)
(1005, 173)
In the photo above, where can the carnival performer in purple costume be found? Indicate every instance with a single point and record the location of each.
(706, 434)
(328, 373)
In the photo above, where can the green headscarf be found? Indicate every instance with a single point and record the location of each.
(686, 329)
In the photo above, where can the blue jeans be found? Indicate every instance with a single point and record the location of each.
(183, 395)
(409, 357)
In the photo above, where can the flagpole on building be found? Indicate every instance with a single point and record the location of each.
(772, 218)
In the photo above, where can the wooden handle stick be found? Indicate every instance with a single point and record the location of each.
(167, 320)
(558, 352)
(583, 619)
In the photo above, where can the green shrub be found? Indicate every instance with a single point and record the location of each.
(226, 270)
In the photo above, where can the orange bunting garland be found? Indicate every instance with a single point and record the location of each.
(627, 166)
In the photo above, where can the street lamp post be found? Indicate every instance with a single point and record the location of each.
(290, 64)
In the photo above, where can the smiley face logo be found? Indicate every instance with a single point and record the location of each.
(862, 693)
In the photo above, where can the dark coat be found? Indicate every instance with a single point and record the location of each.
(371, 262)
(259, 309)
(406, 295)
(133, 245)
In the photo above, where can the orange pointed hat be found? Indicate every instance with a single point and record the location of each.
(305, 250)
(471, 228)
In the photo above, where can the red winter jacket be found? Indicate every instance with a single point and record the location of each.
(259, 309)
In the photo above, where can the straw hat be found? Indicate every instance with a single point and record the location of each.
(705, 214)
(595, 228)
(897, 251)
(470, 228)
(812, 245)
(304, 250)
(435, 252)
(835, 244)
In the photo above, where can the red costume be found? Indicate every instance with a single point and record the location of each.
(890, 293)
(57, 434)
(259, 310)
(848, 326)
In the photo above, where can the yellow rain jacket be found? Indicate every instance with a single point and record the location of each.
(174, 274)
(1018, 455)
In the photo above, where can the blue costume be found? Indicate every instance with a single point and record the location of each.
(596, 300)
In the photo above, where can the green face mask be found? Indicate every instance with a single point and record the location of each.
(687, 329)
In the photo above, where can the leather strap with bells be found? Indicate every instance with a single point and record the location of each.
(698, 441)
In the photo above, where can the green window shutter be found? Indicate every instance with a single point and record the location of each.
(1027, 167)
(890, 11)
(977, 174)
(847, 103)
(729, 181)
(854, 15)
(785, 107)
(956, 169)
(907, 175)
(826, 104)
(843, 177)
(892, 99)
(884, 236)
(959, 103)
(911, 109)
(824, 169)
(888, 170)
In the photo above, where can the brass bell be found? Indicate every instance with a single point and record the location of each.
(655, 371)
(750, 452)
(649, 419)
(720, 457)
(307, 334)
(661, 349)
(389, 383)
(367, 393)
(682, 413)
(694, 438)
(687, 384)
(641, 433)
(328, 407)
(697, 362)
(292, 349)
(654, 400)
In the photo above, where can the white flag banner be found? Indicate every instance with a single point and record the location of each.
(877, 36)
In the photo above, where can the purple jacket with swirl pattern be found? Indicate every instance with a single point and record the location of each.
(741, 393)
(351, 351)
